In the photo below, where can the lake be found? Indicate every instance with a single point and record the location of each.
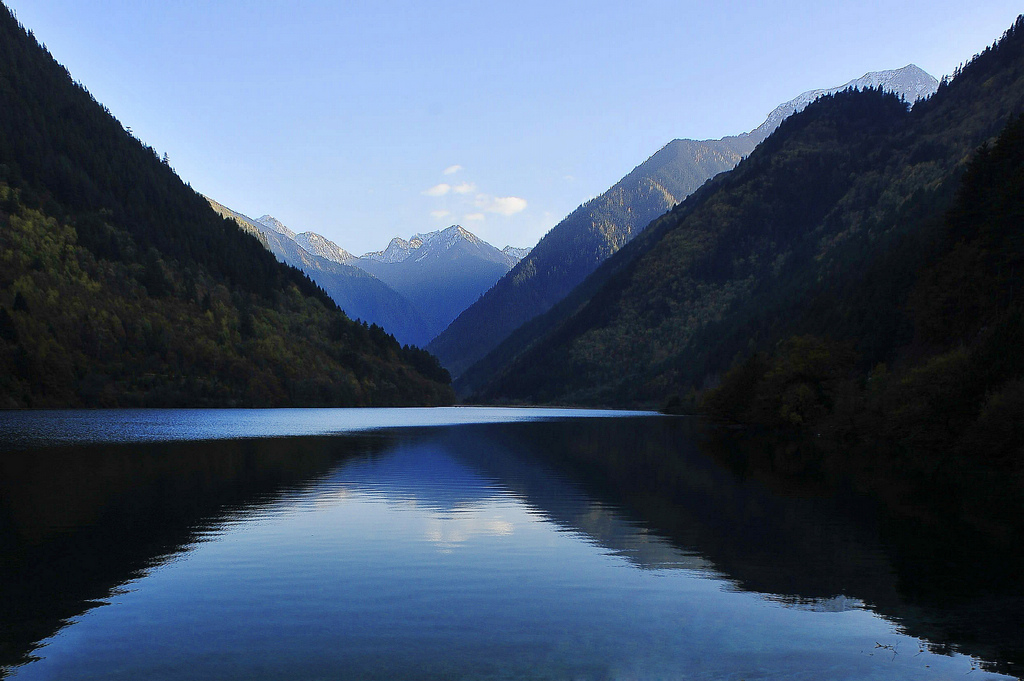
(474, 543)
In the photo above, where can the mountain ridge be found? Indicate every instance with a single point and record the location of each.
(757, 255)
(361, 295)
(121, 287)
(399, 249)
(412, 289)
(911, 81)
(440, 272)
(574, 247)
(320, 245)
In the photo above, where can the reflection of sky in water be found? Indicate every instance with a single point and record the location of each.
(411, 565)
(22, 429)
(418, 481)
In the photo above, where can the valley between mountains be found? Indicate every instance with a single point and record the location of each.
(797, 353)
(851, 265)
(461, 297)
(413, 288)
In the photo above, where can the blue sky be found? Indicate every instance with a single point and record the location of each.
(367, 120)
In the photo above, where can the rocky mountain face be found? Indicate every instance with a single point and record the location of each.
(413, 288)
(398, 249)
(275, 225)
(323, 247)
(440, 272)
(514, 255)
(576, 246)
(361, 295)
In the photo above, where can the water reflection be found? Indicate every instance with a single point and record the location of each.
(78, 522)
(587, 549)
(803, 538)
(28, 429)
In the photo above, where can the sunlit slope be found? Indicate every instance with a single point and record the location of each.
(819, 231)
(582, 241)
(577, 245)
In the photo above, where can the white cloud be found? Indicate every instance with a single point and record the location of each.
(451, 170)
(506, 205)
(438, 214)
(473, 217)
(464, 188)
(438, 190)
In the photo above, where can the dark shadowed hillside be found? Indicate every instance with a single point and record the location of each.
(580, 242)
(958, 385)
(120, 286)
(577, 245)
(820, 231)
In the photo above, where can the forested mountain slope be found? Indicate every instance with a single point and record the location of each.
(360, 295)
(580, 242)
(820, 231)
(119, 285)
(959, 387)
(598, 228)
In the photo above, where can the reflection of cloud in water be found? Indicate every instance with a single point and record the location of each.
(411, 474)
(325, 498)
(451, 504)
(450, 532)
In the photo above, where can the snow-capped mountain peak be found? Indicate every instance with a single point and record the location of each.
(320, 245)
(397, 251)
(275, 225)
(515, 254)
(910, 82)
(441, 272)
(436, 243)
(423, 244)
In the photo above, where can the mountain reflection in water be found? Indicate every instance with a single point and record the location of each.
(470, 509)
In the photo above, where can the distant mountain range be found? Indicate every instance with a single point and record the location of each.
(433, 245)
(463, 296)
(413, 288)
(360, 295)
(440, 273)
(589, 235)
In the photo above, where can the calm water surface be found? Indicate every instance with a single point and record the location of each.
(450, 544)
